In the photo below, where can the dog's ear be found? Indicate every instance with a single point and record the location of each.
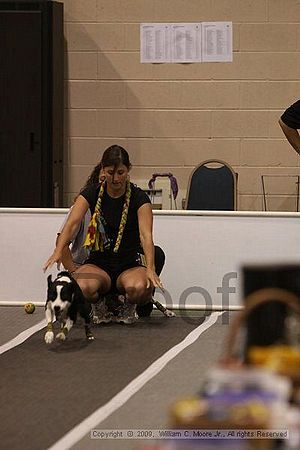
(49, 279)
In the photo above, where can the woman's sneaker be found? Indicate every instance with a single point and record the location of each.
(101, 314)
(126, 312)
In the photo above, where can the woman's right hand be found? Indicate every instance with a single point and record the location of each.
(56, 257)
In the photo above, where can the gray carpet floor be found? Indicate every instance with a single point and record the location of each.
(49, 390)
(150, 407)
(14, 320)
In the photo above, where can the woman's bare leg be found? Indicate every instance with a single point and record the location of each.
(92, 281)
(133, 282)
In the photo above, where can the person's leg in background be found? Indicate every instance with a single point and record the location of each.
(159, 258)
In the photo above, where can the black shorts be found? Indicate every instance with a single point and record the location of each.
(114, 264)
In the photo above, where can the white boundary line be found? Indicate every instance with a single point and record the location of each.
(22, 337)
(98, 416)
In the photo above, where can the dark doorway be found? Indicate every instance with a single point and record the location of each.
(31, 94)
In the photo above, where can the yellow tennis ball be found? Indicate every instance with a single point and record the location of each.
(29, 308)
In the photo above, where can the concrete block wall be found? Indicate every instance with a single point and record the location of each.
(170, 117)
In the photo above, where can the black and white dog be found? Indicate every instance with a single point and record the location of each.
(64, 301)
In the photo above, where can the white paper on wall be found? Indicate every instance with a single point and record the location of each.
(216, 41)
(186, 42)
(155, 43)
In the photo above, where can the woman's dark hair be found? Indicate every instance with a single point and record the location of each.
(93, 177)
(112, 156)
